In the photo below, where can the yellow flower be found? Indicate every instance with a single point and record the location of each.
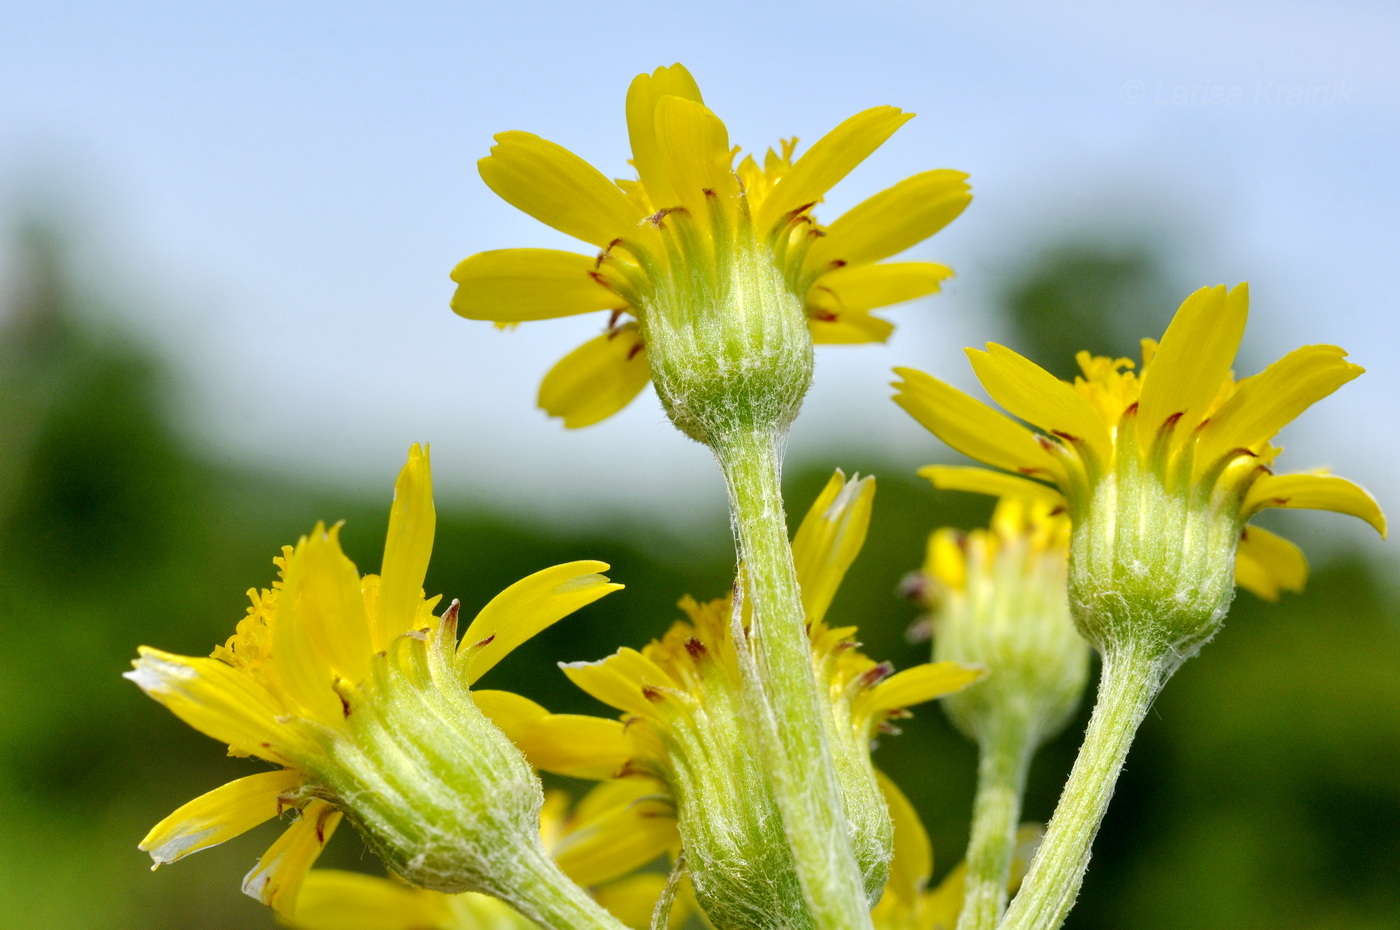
(342, 682)
(587, 838)
(695, 230)
(682, 724)
(1159, 468)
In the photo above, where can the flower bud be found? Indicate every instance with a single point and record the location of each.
(998, 600)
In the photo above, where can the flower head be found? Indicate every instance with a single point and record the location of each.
(716, 276)
(685, 727)
(997, 598)
(1159, 467)
(360, 694)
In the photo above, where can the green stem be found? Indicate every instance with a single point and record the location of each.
(785, 692)
(1006, 747)
(539, 891)
(1132, 677)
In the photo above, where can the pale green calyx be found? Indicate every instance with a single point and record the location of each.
(726, 332)
(1152, 556)
(691, 729)
(435, 788)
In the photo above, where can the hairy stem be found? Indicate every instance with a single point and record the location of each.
(1006, 747)
(785, 696)
(1132, 677)
(538, 890)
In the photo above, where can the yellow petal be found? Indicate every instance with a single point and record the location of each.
(573, 745)
(597, 379)
(995, 483)
(945, 560)
(865, 287)
(853, 327)
(1193, 359)
(695, 154)
(922, 683)
(322, 633)
(831, 159)
(515, 285)
(642, 98)
(620, 826)
(412, 523)
(218, 701)
(219, 815)
(1315, 492)
(893, 220)
(829, 540)
(334, 900)
(612, 795)
(620, 680)
(632, 899)
(578, 746)
(527, 607)
(276, 879)
(1269, 401)
(473, 911)
(912, 865)
(558, 188)
(1267, 564)
(941, 907)
(514, 714)
(971, 427)
(1036, 396)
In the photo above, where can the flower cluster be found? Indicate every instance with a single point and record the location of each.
(737, 780)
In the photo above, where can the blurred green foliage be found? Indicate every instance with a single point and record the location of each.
(1084, 293)
(1263, 791)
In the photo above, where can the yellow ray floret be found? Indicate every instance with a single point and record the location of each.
(1180, 418)
(308, 667)
(688, 206)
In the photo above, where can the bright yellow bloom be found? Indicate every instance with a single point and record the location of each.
(682, 724)
(330, 671)
(583, 841)
(1160, 467)
(697, 229)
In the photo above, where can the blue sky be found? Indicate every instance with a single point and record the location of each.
(277, 192)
